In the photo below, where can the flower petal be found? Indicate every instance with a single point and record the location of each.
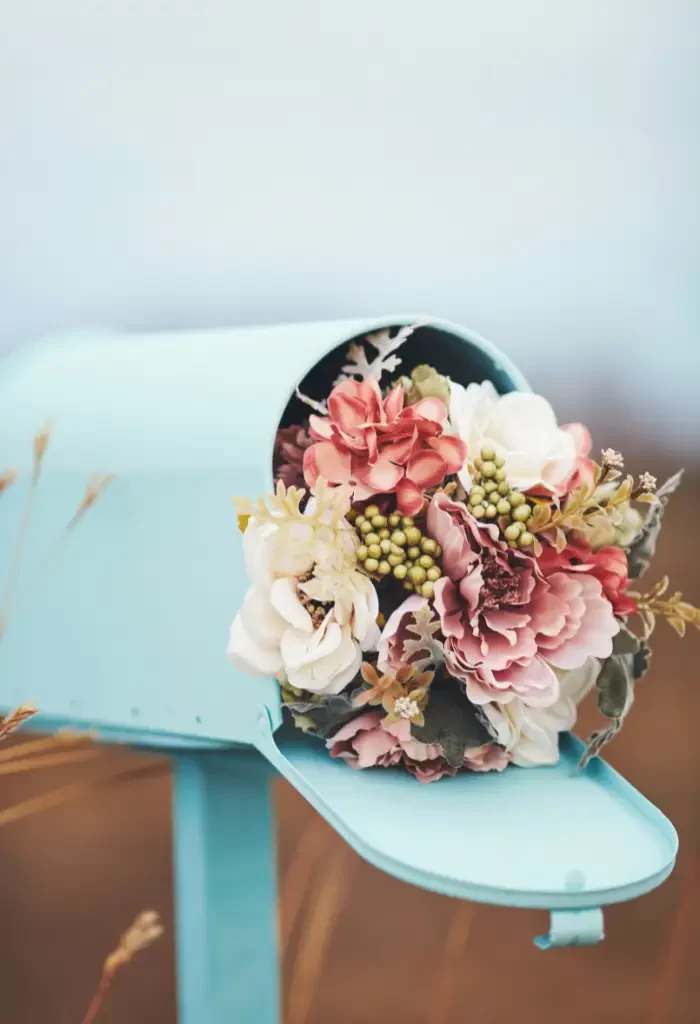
(430, 409)
(452, 449)
(393, 403)
(409, 498)
(324, 459)
(426, 468)
(382, 477)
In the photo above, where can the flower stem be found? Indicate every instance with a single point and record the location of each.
(98, 998)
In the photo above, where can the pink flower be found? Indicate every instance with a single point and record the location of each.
(430, 770)
(364, 743)
(490, 757)
(380, 447)
(608, 564)
(396, 633)
(288, 455)
(584, 467)
(509, 620)
(368, 740)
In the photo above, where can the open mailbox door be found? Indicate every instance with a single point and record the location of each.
(123, 627)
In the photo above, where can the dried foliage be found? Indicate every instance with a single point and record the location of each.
(678, 613)
(387, 689)
(607, 495)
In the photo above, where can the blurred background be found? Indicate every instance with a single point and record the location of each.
(528, 170)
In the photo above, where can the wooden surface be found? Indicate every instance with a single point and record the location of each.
(360, 947)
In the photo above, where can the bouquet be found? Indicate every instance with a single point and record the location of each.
(443, 573)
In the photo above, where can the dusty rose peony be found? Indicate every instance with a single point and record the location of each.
(395, 634)
(608, 564)
(381, 447)
(367, 741)
(430, 770)
(509, 621)
(288, 455)
(489, 757)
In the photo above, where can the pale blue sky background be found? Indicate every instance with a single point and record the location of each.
(529, 169)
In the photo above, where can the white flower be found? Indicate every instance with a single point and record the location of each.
(530, 734)
(520, 426)
(354, 599)
(274, 634)
(296, 541)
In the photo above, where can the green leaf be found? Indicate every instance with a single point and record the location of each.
(643, 545)
(451, 721)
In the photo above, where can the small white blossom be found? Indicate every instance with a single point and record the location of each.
(647, 482)
(612, 459)
(404, 707)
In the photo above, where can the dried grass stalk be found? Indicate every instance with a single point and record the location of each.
(74, 791)
(32, 764)
(64, 738)
(145, 930)
(15, 718)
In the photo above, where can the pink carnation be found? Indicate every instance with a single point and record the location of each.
(381, 447)
(508, 620)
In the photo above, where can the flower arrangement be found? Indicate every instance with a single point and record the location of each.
(454, 575)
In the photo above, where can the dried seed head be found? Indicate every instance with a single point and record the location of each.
(41, 443)
(145, 930)
(7, 479)
(647, 483)
(13, 721)
(95, 486)
(612, 459)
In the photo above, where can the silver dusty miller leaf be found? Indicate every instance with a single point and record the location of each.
(358, 365)
(427, 648)
(643, 545)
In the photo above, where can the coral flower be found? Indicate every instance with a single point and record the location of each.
(380, 446)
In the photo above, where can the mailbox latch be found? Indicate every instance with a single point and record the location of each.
(573, 928)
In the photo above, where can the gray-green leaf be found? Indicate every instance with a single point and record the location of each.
(451, 721)
(643, 545)
(615, 684)
(329, 715)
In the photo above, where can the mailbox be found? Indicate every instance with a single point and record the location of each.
(126, 633)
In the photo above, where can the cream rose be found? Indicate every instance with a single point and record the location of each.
(521, 427)
(274, 634)
(531, 735)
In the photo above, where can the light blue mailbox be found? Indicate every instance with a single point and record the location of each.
(128, 630)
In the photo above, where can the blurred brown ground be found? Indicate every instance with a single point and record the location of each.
(361, 947)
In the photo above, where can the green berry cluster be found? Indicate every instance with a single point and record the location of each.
(491, 498)
(393, 545)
